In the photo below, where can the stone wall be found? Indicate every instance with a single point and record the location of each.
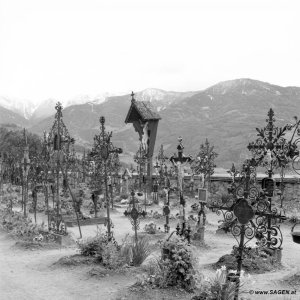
(220, 183)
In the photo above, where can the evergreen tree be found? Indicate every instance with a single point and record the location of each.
(205, 161)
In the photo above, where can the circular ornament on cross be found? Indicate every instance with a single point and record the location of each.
(243, 211)
(134, 213)
(166, 210)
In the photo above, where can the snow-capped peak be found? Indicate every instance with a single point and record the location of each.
(24, 108)
(151, 94)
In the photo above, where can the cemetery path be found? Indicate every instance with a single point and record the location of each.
(31, 275)
(26, 274)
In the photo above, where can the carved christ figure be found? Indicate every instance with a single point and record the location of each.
(142, 129)
(145, 137)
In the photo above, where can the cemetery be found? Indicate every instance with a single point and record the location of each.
(168, 227)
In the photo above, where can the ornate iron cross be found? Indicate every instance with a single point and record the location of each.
(59, 141)
(161, 159)
(249, 216)
(59, 137)
(271, 149)
(134, 213)
(25, 163)
(101, 152)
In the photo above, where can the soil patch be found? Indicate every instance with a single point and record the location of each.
(31, 245)
(136, 292)
(293, 280)
(75, 260)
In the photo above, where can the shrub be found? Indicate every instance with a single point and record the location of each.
(106, 252)
(40, 207)
(117, 199)
(294, 219)
(150, 228)
(134, 252)
(154, 214)
(226, 226)
(90, 247)
(161, 194)
(21, 227)
(217, 288)
(124, 196)
(111, 256)
(222, 286)
(175, 268)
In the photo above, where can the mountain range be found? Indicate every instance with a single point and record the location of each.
(226, 113)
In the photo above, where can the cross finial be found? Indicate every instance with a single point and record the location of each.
(25, 137)
(132, 97)
(102, 120)
(161, 155)
(58, 108)
(271, 116)
(180, 146)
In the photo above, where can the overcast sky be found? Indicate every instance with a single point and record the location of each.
(64, 48)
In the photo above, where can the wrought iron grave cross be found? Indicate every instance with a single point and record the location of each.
(134, 213)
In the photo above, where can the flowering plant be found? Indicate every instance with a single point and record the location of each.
(222, 286)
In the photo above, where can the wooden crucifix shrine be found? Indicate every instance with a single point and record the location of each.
(145, 122)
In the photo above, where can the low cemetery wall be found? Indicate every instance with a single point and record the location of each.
(220, 183)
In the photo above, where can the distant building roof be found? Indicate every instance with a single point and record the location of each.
(141, 110)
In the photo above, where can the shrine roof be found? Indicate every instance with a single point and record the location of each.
(141, 110)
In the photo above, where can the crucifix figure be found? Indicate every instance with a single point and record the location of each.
(141, 159)
(156, 183)
(166, 208)
(178, 161)
(202, 213)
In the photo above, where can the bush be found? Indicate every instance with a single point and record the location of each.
(106, 252)
(21, 227)
(90, 247)
(174, 268)
(294, 219)
(111, 256)
(256, 260)
(40, 207)
(222, 286)
(154, 215)
(124, 196)
(117, 199)
(150, 228)
(134, 252)
(161, 194)
(217, 288)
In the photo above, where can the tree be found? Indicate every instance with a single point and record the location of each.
(205, 162)
(12, 150)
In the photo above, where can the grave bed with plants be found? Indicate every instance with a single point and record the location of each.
(28, 235)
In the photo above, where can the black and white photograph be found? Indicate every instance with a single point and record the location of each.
(149, 150)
